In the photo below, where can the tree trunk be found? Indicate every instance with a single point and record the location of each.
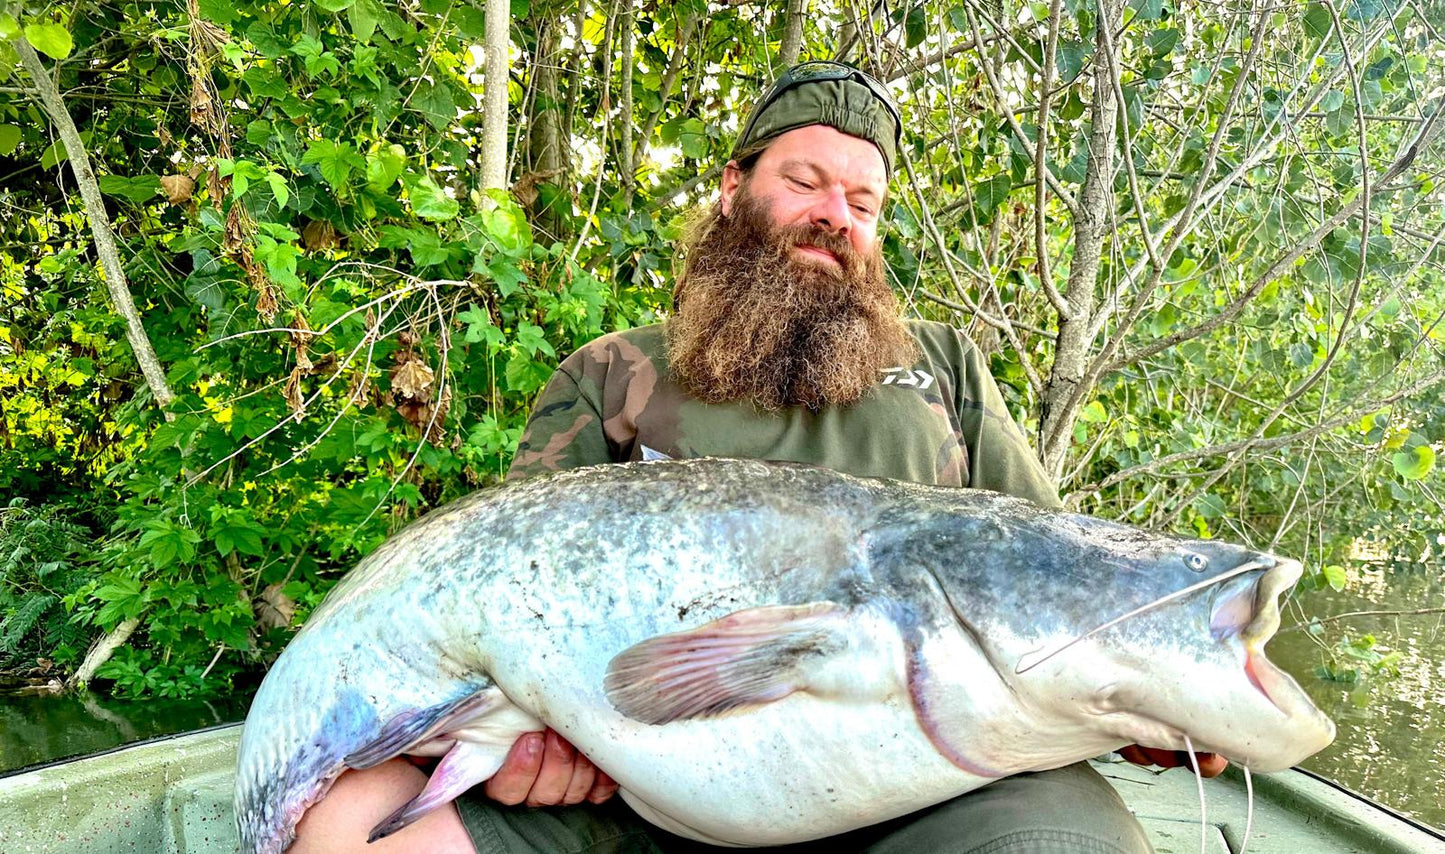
(627, 166)
(100, 653)
(545, 137)
(494, 96)
(112, 271)
(1061, 400)
(792, 34)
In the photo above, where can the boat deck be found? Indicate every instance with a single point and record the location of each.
(173, 796)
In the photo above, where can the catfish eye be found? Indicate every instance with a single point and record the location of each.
(1196, 561)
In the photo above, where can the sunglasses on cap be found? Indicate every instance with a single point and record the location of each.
(822, 70)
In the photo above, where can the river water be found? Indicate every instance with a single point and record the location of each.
(1391, 740)
(1391, 743)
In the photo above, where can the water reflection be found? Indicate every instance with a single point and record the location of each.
(43, 728)
(1391, 742)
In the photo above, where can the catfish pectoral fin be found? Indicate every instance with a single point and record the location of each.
(418, 726)
(750, 657)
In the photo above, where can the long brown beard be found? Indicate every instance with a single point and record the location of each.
(752, 323)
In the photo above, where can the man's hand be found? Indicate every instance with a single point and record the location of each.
(544, 770)
(1210, 764)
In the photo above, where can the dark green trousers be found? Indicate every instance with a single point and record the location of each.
(1069, 810)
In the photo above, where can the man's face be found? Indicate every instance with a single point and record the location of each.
(817, 176)
(784, 299)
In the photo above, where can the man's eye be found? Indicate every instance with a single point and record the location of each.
(801, 183)
(863, 209)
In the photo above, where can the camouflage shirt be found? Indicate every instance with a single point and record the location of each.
(939, 421)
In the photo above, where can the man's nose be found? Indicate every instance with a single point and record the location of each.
(831, 213)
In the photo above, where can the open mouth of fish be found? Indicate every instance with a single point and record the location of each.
(1247, 607)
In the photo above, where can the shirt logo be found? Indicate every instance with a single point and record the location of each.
(903, 376)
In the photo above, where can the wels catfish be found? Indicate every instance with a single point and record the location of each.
(765, 653)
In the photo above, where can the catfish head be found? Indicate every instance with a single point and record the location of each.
(1122, 634)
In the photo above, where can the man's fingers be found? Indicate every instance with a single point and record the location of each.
(1210, 764)
(514, 779)
(583, 775)
(558, 759)
(603, 787)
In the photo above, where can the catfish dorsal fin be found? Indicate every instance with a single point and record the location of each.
(746, 658)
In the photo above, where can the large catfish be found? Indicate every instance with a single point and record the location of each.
(764, 653)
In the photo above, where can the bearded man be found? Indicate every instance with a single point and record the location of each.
(786, 343)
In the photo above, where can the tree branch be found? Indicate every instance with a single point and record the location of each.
(112, 270)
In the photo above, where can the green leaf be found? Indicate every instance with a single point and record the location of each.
(1317, 21)
(53, 40)
(334, 160)
(384, 166)
(1334, 576)
(430, 201)
(9, 139)
(480, 326)
(507, 225)
(220, 11)
(991, 193)
(1210, 506)
(1162, 41)
(1414, 463)
(692, 136)
(436, 104)
(334, 5)
(9, 27)
(915, 27)
(531, 339)
(1094, 413)
(278, 188)
(363, 16)
(135, 189)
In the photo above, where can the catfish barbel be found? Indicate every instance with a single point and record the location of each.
(764, 653)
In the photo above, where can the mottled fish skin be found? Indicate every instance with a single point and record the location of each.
(763, 653)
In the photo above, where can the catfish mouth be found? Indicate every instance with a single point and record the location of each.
(1247, 608)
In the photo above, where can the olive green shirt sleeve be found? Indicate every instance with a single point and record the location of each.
(999, 456)
(563, 432)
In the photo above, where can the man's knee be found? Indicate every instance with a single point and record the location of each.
(1065, 811)
(359, 800)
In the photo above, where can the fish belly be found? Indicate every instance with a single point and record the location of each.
(795, 769)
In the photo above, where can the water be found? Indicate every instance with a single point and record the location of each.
(43, 728)
(1391, 749)
(1391, 741)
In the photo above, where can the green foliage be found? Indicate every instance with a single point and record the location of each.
(43, 556)
(354, 328)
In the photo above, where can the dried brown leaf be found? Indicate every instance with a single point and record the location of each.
(238, 227)
(292, 392)
(179, 188)
(360, 390)
(274, 609)
(412, 379)
(319, 235)
(266, 305)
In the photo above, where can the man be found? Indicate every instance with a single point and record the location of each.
(786, 344)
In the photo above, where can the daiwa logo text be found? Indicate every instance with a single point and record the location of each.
(903, 376)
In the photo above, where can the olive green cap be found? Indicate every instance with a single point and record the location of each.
(846, 105)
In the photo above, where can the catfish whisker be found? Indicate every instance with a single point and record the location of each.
(1203, 814)
(1022, 668)
(1248, 808)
